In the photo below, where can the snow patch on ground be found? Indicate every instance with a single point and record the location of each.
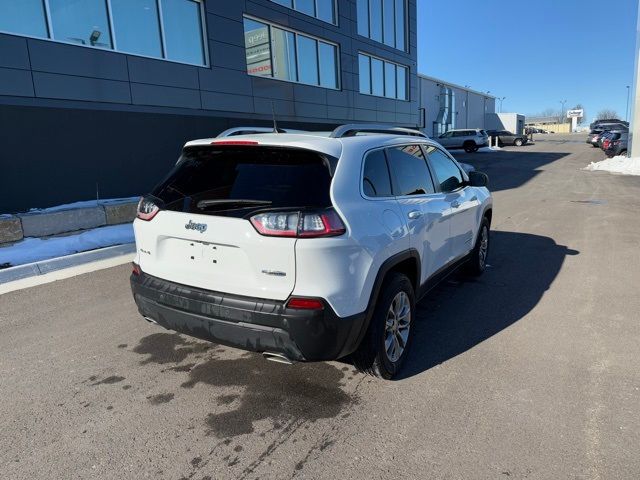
(32, 250)
(489, 149)
(621, 165)
(84, 204)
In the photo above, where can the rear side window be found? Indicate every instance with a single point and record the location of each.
(235, 181)
(446, 172)
(375, 180)
(409, 170)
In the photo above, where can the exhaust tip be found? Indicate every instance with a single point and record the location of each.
(277, 357)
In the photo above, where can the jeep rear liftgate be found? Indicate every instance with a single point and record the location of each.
(205, 224)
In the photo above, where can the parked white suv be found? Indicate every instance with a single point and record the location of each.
(308, 247)
(470, 140)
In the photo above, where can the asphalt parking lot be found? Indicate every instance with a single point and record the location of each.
(532, 371)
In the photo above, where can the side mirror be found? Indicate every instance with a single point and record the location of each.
(478, 179)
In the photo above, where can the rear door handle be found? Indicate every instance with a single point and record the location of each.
(414, 214)
(455, 204)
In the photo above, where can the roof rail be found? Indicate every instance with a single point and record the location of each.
(353, 129)
(230, 132)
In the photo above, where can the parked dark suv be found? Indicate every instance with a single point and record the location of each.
(617, 144)
(508, 138)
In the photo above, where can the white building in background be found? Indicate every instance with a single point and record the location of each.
(445, 106)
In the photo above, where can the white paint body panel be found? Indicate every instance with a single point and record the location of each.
(342, 270)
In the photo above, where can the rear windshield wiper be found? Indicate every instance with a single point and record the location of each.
(202, 204)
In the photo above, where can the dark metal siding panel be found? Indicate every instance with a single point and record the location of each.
(161, 72)
(53, 57)
(227, 102)
(224, 80)
(16, 83)
(162, 96)
(13, 52)
(51, 85)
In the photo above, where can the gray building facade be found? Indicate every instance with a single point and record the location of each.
(86, 110)
(446, 106)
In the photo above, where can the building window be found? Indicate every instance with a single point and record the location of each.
(168, 29)
(84, 22)
(138, 26)
(382, 78)
(24, 17)
(273, 52)
(383, 21)
(325, 10)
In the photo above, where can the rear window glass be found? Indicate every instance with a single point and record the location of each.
(235, 181)
(375, 180)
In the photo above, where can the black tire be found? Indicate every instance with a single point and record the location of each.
(371, 357)
(470, 147)
(518, 142)
(478, 261)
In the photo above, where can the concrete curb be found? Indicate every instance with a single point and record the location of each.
(20, 272)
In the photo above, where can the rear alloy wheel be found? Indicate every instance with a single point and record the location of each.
(518, 142)
(478, 261)
(386, 344)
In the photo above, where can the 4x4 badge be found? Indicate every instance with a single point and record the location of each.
(200, 227)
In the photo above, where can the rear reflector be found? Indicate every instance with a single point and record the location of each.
(234, 142)
(305, 304)
(136, 269)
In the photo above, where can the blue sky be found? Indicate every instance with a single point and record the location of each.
(535, 53)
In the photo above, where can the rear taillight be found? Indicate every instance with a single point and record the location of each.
(305, 303)
(147, 209)
(303, 224)
(135, 269)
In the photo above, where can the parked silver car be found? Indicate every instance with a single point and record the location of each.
(470, 140)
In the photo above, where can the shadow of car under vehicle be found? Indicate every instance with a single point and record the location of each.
(461, 313)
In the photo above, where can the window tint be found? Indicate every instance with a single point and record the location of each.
(375, 180)
(382, 78)
(284, 55)
(308, 56)
(183, 31)
(446, 172)
(410, 171)
(83, 22)
(286, 178)
(137, 26)
(364, 72)
(278, 53)
(24, 17)
(383, 21)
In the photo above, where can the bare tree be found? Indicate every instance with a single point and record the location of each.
(607, 114)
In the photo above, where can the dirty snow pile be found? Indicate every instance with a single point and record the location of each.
(32, 250)
(622, 165)
(489, 149)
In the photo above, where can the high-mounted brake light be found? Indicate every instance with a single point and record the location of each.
(305, 303)
(234, 142)
(147, 209)
(304, 224)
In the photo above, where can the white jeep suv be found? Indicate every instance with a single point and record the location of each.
(308, 246)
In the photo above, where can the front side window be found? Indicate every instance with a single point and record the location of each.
(24, 17)
(168, 29)
(274, 52)
(375, 179)
(383, 21)
(445, 170)
(410, 172)
(381, 78)
(84, 22)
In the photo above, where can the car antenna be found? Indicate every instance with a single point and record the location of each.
(273, 114)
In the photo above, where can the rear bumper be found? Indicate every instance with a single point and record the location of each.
(247, 323)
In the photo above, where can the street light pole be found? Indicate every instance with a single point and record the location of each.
(626, 112)
(501, 100)
(562, 112)
(634, 113)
